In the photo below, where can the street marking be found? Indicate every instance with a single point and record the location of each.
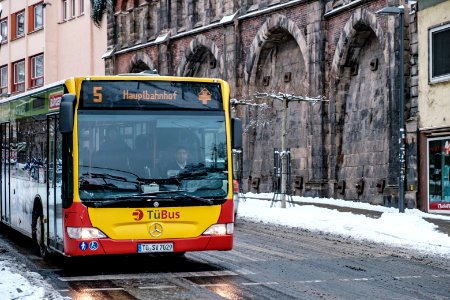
(208, 258)
(342, 279)
(157, 287)
(213, 285)
(407, 277)
(439, 276)
(259, 283)
(310, 281)
(149, 275)
(102, 289)
(245, 272)
(204, 274)
(267, 251)
(241, 255)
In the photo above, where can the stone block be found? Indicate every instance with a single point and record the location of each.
(414, 91)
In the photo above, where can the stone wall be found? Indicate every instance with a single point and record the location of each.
(346, 147)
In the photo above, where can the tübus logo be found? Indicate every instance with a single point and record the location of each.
(138, 214)
(163, 214)
(156, 214)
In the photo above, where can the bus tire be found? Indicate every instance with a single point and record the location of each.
(38, 233)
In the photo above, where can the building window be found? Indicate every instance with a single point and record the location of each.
(81, 7)
(4, 80)
(37, 70)
(72, 8)
(18, 24)
(64, 10)
(4, 30)
(19, 76)
(36, 20)
(439, 53)
(439, 174)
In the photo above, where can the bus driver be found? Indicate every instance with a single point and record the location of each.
(178, 163)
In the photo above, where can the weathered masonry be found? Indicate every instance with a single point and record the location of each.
(346, 148)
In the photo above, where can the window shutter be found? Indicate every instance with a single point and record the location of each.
(29, 73)
(30, 18)
(13, 26)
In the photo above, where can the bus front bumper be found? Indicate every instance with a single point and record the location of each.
(109, 246)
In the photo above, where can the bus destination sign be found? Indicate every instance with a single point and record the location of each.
(150, 94)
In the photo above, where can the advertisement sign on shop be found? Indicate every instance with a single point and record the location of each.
(439, 175)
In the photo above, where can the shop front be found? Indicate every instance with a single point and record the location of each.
(438, 174)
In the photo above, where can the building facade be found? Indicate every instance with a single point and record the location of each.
(434, 105)
(46, 41)
(347, 147)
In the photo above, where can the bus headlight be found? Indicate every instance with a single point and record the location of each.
(85, 233)
(220, 229)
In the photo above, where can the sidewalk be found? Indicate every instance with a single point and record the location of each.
(443, 225)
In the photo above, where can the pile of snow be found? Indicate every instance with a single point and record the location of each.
(16, 282)
(15, 286)
(407, 230)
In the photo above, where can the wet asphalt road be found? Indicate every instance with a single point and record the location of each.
(268, 262)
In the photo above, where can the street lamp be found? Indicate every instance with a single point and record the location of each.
(393, 10)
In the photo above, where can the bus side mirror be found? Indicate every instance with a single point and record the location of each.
(66, 111)
(236, 133)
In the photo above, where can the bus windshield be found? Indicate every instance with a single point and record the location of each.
(128, 156)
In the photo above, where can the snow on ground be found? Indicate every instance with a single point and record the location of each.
(16, 282)
(408, 230)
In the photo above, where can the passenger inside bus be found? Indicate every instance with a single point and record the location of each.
(113, 153)
(141, 163)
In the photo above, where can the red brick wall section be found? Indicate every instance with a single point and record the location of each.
(338, 21)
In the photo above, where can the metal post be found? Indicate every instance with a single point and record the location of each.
(283, 154)
(401, 184)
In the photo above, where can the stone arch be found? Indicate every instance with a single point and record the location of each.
(360, 18)
(277, 62)
(140, 62)
(360, 109)
(275, 22)
(201, 54)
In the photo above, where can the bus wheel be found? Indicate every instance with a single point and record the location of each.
(38, 234)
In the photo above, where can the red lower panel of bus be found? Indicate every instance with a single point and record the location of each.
(77, 216)
(107, 246)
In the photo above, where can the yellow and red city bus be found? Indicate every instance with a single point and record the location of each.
(87, 165)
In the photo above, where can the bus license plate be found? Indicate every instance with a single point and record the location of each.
(160, 247)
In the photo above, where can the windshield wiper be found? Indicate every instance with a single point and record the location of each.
(104, 176)
(193, 171)
(86, 185)
(147, 197)
(119, 200)
(134, 198)
(179, 194)
(199, 199)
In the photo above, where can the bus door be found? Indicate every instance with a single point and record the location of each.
(54, 201)
(5, 168)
